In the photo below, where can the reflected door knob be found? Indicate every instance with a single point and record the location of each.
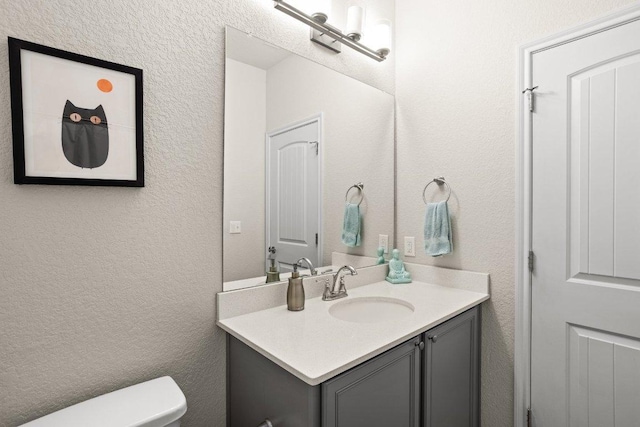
(266, 423)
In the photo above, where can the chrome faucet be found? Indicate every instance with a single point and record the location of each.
(310, 264)
(330, 292)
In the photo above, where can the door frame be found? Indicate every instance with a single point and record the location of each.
(319, 118)
(524, 170)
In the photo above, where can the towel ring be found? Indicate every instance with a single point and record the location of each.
(440, 181)
(360, 187)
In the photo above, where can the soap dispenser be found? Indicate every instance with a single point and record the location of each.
(273, 275)
(295, 291)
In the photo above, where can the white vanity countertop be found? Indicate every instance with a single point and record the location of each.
(315, 346)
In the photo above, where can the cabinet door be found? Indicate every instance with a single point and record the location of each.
(382, 392)
(451, 372)
(258, 389)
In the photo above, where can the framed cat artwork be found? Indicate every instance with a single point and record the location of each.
(76, 120)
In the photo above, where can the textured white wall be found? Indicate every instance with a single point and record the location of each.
(358, 125)
(245, 123)
(102, 288)
(456, 71)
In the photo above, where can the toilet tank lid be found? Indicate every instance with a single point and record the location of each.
(154, 403)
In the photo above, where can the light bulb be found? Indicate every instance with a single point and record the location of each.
(355, 20)
(381, 39)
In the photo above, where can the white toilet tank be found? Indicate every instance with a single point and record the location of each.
(155, 403)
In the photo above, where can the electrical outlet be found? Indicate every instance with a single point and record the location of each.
(409, 246)
(383, 242)
(235, 227)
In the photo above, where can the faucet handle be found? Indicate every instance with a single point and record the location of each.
(326, 281)
(328, 289)
(342, 285)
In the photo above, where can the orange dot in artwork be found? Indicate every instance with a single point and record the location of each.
(105, 85)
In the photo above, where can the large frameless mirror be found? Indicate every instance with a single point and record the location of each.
(308, 165)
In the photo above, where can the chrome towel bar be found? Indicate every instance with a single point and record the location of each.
(440, 181)
(360, 187)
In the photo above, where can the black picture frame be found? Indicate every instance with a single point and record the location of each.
(16, 47)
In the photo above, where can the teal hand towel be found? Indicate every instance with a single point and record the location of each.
(352, 225)
(437, 230)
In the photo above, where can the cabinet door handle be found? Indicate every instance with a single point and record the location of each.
(433, 338)
(266, 423)
(420, 345)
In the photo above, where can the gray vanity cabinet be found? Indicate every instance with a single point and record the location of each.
(451, 376)
(429, 381)
(258, 390)
(384, 391)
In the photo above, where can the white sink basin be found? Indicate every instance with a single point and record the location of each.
(371, 309)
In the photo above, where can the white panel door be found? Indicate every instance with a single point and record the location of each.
(293, 204)
(585, 361)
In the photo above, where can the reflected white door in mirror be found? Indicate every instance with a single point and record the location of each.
(293, 194)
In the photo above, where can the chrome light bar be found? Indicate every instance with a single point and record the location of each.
(328, 30)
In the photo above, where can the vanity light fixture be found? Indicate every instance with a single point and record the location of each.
(382, 36)
(355, 20)
(322, 10)
(332, 37)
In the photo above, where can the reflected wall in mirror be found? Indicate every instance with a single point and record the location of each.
(297, 137)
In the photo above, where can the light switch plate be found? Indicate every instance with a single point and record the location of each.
(383, 242)
(235, 227)
(409, 246)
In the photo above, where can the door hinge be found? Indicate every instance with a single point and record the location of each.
(531, 259)
(531, 97)
(316, 239)
(316, 144)
(528, 417)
